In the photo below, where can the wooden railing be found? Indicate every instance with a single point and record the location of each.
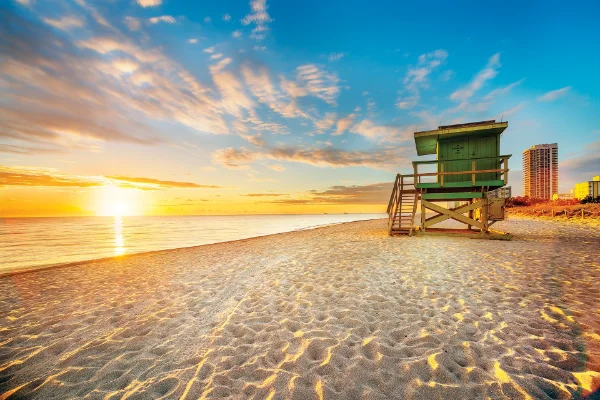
(394, 194)
(440, 173)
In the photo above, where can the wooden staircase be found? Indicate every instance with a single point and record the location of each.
(403, 206)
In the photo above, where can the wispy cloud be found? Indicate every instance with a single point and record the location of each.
(163, 18)
(276, 167)
(132, 23)
(373, 194)
(335, 56)
(554, 94)
(149, 3)
(236, 34)
(489, 72)
(385, 133)
(65, 23)
(503, 90)
(313, 80)
(259, 17)
(264, 194)
(226, 17)
(321, 157)
(149, 183)
(416, 78)
(192, 41)
(50, 177)
(343, 124)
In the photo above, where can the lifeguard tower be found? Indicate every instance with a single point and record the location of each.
(468, 165)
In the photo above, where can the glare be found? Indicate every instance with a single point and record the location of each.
(119, 242)
(111, 201)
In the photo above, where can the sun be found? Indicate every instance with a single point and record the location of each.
(112, 201)
(118, 209)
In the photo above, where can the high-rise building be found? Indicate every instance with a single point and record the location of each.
(540, 171)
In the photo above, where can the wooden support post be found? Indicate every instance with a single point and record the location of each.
(505, 171)
(553, 213)
(485, 216)
(416, 179)
(469, 226)
(474, 166)
(442, 176)
(423, 211)
(582, 213)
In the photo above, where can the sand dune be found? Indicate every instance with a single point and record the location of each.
(336, 312)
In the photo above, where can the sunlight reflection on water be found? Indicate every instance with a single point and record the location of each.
(27, 242)
(119, 243)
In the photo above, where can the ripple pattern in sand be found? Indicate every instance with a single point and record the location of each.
(338, 312)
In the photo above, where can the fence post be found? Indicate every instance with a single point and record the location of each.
(553, 213)
(582, 213)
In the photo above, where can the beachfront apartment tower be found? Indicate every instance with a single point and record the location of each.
(540, 171)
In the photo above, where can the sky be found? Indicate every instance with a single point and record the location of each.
(167, 107)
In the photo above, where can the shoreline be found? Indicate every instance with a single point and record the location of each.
(35, 268)
(340, 311)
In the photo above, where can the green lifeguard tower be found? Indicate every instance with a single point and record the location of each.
(468, 165)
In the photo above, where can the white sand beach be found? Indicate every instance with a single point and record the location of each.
(339, 312)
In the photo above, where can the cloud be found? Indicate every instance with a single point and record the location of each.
(163, 18)
(372, 194)
(132, 23)
(259, 17)
(226, 17)
(386, 133)
(264, 194)
(236, 34)
(216, 56)
(149, 3)
(343, 124)
(312, 80)
(416, 78)
(503, 90)
(207, 19)
(101, 89)
(209, 50)
(150, 183)
(582, 166)
(321, 157)
(335, 56)
(327, 122)
(511, 111)
(276, 167)
(24, 150)
(65, 23)
(50, 177)
(24, 176)
(192, 41)
(489, 72)
(261, 86)
(554, 94)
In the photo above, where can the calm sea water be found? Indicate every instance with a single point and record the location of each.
(30, 242)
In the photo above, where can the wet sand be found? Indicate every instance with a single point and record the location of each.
(337, 312)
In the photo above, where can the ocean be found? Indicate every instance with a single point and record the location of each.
(34, 242)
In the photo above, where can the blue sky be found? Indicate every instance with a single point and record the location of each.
(303, 103)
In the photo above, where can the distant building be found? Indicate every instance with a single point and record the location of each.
(589, 188)
(563, 196)
(540, 171)
(501, 193)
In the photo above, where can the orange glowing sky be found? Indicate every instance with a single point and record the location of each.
(148, 108)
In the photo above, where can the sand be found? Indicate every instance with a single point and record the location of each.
(340, 312)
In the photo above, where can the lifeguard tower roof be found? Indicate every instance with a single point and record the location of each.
(427, 141)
